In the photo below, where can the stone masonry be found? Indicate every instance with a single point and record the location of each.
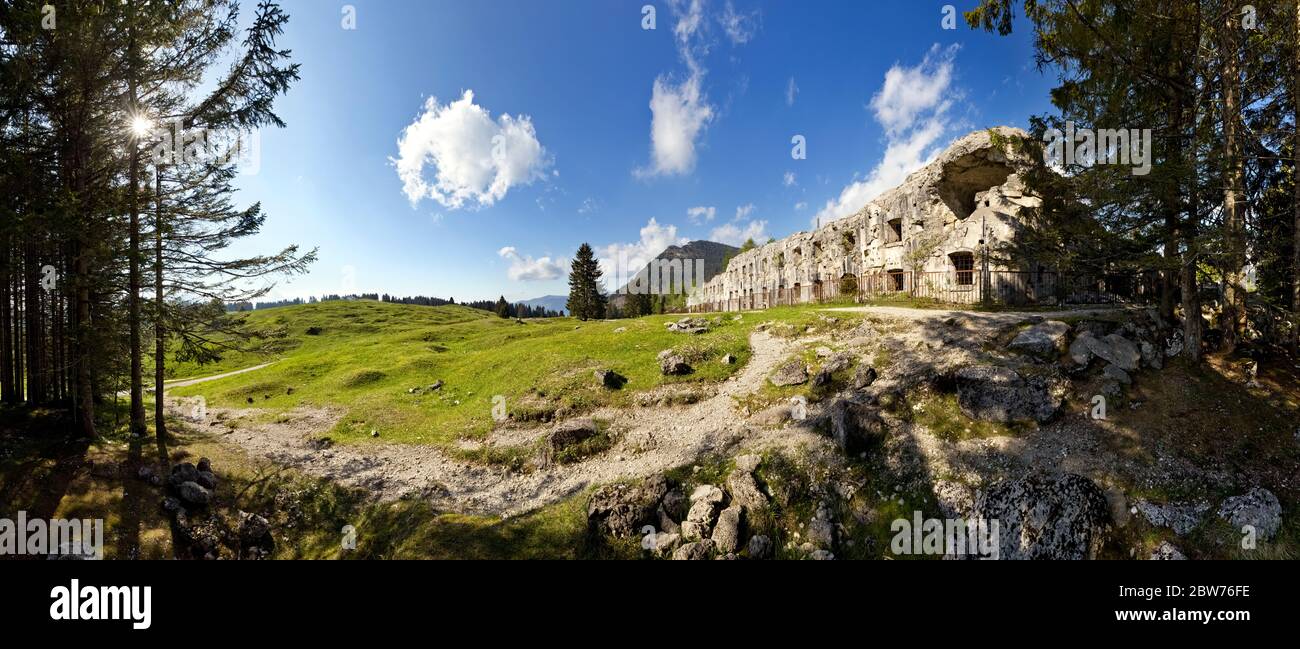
(922, 236)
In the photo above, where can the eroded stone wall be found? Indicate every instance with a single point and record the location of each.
(925, 231)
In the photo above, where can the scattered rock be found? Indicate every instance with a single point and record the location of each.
(744, 490)
(748, 463)
(1114, 373)
(1080, 349)
(696, 551)
(823, 352)
(204, 465)
(674, 365)
(864, 376)
(619, 330)
(1044, 339)
(689, 325)
(791, 373)
(705, 501)
(661, 543)
(194, 494)
(1257, 508)
(181, 473)
(821, 529)
(1000, 394)
(436, 385)
(253, 528)
(207, 480)
(145, 473)
(1151, 356)
(565, 435)
(610, 379)
(728, 359)
(1117, 350)
(822, 555)
(1167, 552)
(1042, 516)
(622, 509)
(855, 426)
(1181, 518)
(727, 532)
(759, 547)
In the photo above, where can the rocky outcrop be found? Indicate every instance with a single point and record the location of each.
(1257, 508)
(999, 394)
(621, 509)
(1179, 517)
(1047, 516)
(1045, 339)
(791, 373)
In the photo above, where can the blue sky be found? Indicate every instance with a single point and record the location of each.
(626, 138)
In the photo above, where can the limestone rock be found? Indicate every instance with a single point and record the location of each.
(610, 379)
(1167, 552)
(791, 373)
(1043, 516)
(1114, 373)
(1179, 517)
(1044, 339)
(759, 547)
(999, 394)
(727, 531)
(674, 364)
(696, 551)
(1116, 350)
(744, 490)
(621, 509)
(1257, 508)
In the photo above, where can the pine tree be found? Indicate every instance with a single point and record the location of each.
(586, 299)
(502, 308)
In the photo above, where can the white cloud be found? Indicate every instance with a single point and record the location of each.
(912, 105)
(680, 111)
(788, 179)
(739, 27)
(632, 257)
(701, 214)
(527, 269)
(800, 205)
(743, 211)
(791, 90)
(457, 139)
(589, 205)
(734, 233)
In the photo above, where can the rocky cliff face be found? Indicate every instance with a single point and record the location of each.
(927, 230)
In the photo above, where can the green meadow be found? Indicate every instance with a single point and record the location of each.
(377, 361)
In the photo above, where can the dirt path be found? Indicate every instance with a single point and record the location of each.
(186, 382)
(652, 440)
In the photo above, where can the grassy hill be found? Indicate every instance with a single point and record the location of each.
(367, 357)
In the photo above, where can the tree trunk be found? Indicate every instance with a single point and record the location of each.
(1295, 181)
(138, 425)
(1233, 318)
(159, 332)
(7, 394)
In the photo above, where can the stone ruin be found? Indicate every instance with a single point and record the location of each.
(925, 237)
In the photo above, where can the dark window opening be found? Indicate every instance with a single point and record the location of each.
(894, 233)
(896, 281)
(964, 263)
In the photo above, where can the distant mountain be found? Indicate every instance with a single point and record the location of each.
(713, 253)
(552, 302)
